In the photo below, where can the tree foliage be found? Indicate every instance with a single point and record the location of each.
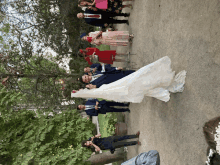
(55, 140)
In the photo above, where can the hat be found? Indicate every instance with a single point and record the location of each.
(82, 35)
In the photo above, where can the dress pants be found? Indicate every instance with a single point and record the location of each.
(117, 141)
(108, 17)
(111, 103)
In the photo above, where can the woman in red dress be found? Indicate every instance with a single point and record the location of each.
(106, 56)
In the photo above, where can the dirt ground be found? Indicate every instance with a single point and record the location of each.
(189, 33)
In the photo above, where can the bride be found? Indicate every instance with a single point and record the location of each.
(154, 80)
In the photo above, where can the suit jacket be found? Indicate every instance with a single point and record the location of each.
(94, 21)
(109, 77)
(108, 67)
(93, 111)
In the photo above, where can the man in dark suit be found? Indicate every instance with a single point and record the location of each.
(95, 81)
(99, 68)
(101, 18)
(93, 107)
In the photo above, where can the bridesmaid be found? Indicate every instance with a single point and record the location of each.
(106, 56)
(113, 38)
(113, 5)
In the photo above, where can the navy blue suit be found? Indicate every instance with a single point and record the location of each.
(111, 76)
(104, 107)
(106, 18)
(113, 142)
(98, 67)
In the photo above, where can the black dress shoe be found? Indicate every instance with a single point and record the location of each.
(112, 151)
(127, 15)
(127, 104)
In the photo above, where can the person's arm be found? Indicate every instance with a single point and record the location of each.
(91, 139)
(90, 86)
(97, 149)
(97, 35)
(91, 4)
(119, 68)
(98, 135)
(90, 74)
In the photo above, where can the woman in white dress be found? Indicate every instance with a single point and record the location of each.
(154, 80)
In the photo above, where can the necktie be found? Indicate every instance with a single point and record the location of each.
(93, 16)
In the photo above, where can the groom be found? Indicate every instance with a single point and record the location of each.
(101, 18)
(94, 107)
(104, 78)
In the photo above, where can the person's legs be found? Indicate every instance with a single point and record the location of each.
(114, 21)
(126, 6)
(111, 103)
(120, 60)
(120, 138)
(117, 14)
(111, 109)
(121, 54)
(123, 144)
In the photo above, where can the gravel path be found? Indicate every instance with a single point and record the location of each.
(189, 33)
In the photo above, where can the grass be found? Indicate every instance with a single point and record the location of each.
(103, 125)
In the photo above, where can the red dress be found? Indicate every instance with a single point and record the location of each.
(106, 56)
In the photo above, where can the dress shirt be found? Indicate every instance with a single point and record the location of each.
(103, 68)
(87, 16)
(90, 107)
(95, 77)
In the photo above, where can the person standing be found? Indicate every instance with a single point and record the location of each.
(108, 5)
(100, 68)
(106, 56)
(94, 107)
(113, 38)
(101, 18)
(109, 143)
(153, 80)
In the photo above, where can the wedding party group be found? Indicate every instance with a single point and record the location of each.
(117, 87)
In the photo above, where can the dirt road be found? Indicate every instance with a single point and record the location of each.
(189, 33)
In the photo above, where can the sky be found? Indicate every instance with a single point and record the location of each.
(27, 18)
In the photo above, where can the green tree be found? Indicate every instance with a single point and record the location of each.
(55, 140)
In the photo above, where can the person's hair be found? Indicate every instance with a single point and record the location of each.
(83, 143)
(80, 79)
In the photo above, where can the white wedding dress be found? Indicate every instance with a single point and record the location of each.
(154, 80)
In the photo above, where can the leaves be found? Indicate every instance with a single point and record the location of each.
(48, 148)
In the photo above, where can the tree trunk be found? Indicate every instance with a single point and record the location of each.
(106, 157)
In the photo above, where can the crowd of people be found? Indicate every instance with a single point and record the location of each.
(120, 86)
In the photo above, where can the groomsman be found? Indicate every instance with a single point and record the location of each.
(99, 68)
(101, 18)
(94, 107)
